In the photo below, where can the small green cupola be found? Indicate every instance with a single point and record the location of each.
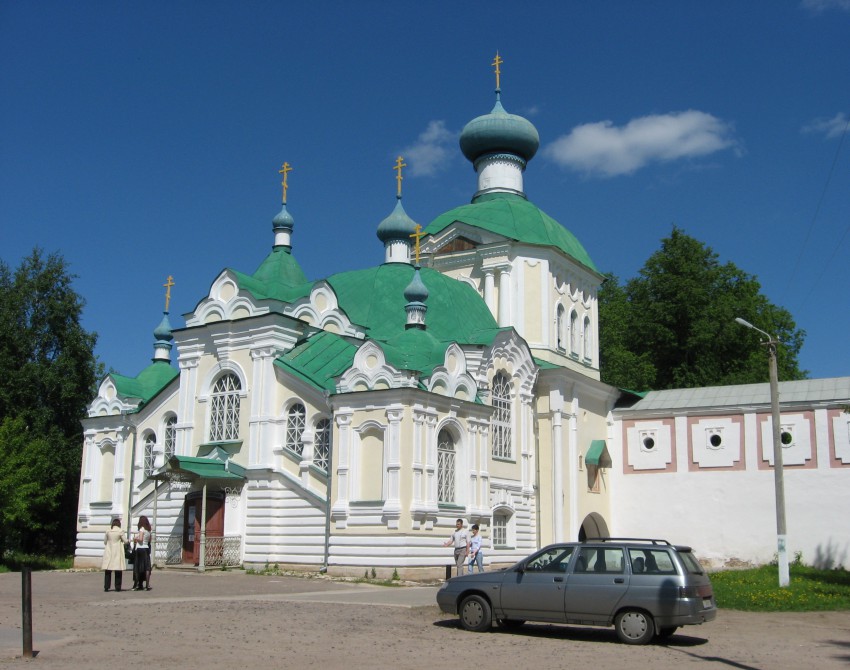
(162, 340)
(499, 146)
(416, 294)
(397, 230)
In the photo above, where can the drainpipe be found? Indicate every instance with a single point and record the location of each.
(125, 414)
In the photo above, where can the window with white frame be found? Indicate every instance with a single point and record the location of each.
(169, 437)
(499, 531)
(224, 408)
(150, 443)
(573, 333)
(295, 422)
(586, 338)
(445, 467)
(322, 447)
(501, 401)
(561, 328)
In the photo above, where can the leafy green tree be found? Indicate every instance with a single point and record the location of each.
(673, 326)
(48, 373)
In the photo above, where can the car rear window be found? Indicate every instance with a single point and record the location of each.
(652, 561)
(691, 563)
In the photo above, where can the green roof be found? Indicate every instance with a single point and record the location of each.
(513, 216)
(147, 383)
(374, 300)
(319, 360)
(279, 277)
(206, 468)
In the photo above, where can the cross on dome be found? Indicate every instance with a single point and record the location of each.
(399, 164)
(168, 284)
(497, 61)
(285, 169)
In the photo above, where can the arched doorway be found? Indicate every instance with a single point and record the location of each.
(593, 526)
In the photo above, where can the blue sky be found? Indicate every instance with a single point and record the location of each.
(142, 140)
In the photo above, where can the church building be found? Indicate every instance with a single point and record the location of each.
(345, 423)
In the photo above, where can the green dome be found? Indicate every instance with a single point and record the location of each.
(283, 219)
(499, 132)
(514, 217)
(397, 226)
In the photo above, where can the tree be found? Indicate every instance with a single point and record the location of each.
(673, 325)
(48, 373)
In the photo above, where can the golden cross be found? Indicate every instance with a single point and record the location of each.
(497, 62)
(168, 284)
(416, 235)
(399, 164)
(284, 169)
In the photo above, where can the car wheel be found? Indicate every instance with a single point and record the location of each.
(510, 624)
(475, 614)
(634, 627)
(666, 632)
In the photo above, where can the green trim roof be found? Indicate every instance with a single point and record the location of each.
(374, 299)
(319, 360)
(513, 216)
(147, 383)
(279, 277)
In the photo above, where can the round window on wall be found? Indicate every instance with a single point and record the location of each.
(786, 438)
(715, 440)
(648, 443)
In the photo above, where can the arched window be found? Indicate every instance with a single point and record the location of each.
(150, 443)
(586, 337)
(295, 422)
(573, 333)
(322, 448)
(224, 410)
(170, 437)
(561, 328)
(445, 467)
(501, 401)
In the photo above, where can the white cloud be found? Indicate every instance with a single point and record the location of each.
(819, 6)
(604, 149)
(431, 151)
(831, 128)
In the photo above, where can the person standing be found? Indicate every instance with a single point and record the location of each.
(113, 555)
(142, 556)
(460, 541)
(476, 556)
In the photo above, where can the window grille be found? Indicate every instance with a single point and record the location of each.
(150, 443)
(224, 413)
(500, 530)
(295, 428)
(501, 416)
(170, 437)
(321, 457)
(445, 467)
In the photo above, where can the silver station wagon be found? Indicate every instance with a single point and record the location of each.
(644, 588)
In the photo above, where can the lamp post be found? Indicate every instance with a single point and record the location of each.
(779, 482)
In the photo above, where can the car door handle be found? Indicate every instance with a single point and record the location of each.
(619, 580)
(558, 579)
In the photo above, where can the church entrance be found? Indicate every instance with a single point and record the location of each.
(192, 523)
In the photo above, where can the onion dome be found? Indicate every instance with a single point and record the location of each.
(398, 226)
(162, 340)
(283, 220)
(416, 294)
(499, 132)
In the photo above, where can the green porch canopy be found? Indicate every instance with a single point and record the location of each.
(597, 454)
(218, 466)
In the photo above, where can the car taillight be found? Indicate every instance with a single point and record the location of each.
(695, 591)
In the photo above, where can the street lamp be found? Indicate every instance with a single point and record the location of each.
(779, 483)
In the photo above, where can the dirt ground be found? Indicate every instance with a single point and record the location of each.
(232, 619)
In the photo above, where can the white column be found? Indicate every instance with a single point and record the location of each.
(504, 296)
(186, 403)
(572, 460)
(526, 440)
(260, 439)
(392, 504)
(490, 291)
(558, 476)
(340, 508)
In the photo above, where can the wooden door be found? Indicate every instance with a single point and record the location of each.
(192, 524)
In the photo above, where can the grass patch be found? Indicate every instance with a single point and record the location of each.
(757, 589)
(13, 562)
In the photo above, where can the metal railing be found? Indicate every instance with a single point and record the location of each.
(220, 551)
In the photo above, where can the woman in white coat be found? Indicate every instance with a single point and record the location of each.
(113, 555)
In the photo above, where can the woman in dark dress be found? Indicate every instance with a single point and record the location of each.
(142, 556)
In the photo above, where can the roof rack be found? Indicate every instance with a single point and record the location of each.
(627, 539)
